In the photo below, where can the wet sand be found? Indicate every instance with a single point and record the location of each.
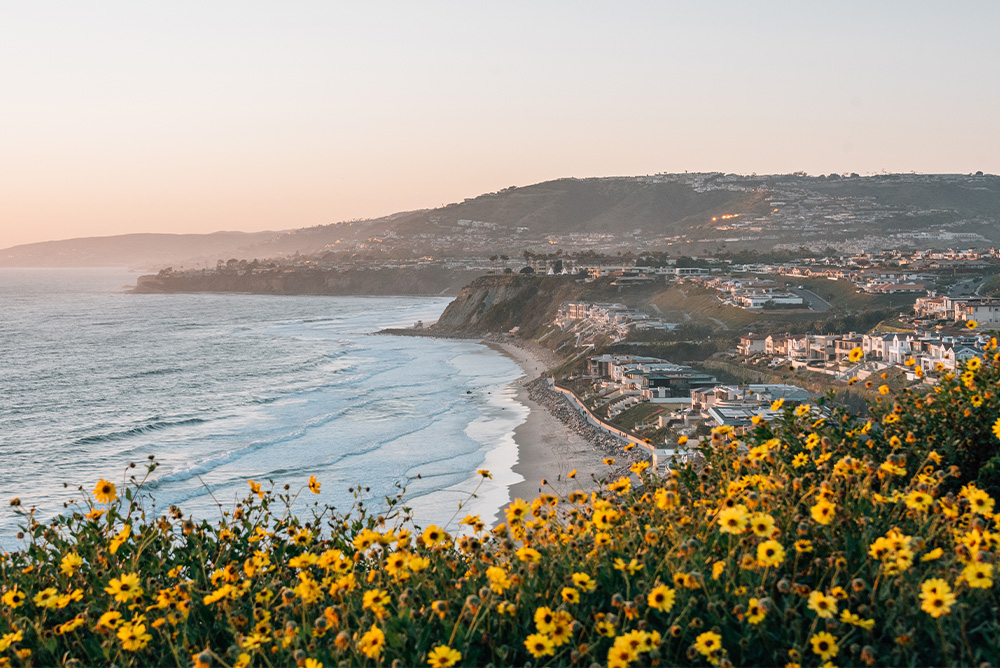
(547, 448)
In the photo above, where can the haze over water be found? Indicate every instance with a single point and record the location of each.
(222, 388)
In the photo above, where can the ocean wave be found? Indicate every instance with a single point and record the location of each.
(211, 463)
(155, 424)
(149, 372)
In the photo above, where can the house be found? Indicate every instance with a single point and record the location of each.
(930, 307)
(984, 311)
(842, 347)
(751, 344)
(776, 345)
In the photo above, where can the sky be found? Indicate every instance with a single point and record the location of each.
(183, 116)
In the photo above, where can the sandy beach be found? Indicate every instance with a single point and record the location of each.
(547, 448)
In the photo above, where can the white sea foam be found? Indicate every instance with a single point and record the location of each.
(222, 388)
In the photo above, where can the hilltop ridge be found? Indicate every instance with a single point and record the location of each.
(690, 213)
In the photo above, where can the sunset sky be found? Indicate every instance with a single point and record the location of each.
(121, 117)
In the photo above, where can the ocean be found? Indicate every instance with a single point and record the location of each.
(222, 388)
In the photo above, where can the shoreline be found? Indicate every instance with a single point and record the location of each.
(552, 441)
(547, 449)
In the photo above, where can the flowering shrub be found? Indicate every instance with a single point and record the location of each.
(819, 539)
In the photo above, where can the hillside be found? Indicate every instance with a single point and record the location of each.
(689, 213)
(612, 206)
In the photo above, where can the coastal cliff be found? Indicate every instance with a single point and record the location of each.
(500, 303)
(376, 282)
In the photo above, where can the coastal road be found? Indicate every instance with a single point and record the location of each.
(816, 303)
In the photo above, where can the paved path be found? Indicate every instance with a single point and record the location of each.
(816, 303)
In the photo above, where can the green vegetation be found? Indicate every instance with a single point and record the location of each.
(637, 415)
(689, 301)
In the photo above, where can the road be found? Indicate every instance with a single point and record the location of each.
(966, 288)
(816, 302)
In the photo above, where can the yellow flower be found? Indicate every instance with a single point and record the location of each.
(47, 598)
(918, 500)
(529, 554)
(313, 663)
(108, 621)
(717, 569)
(933, 554)
(620, 654)
(777, 404)
(105, 491)
(770, 553)
(620, 486)
(799, 460)
(883, 389)
(661, 598)
(545, 619)
(824, 606)
(499, 580)
(762, 524)
(304, 560)
(584, 582)
(372, 642)
(14, 598)
(632, 566)
(540, 645)
(848, 617)
(562, 628)
(823, 511)
(133, 635)
(375, 598)
(485, 474)
(937, 597)
(979, 500)
(825, 645)
(9, 639)
(255, 488)
(432, 535)
(314, 484)
(125, 588)
(978, 576)
(70, 563)
(516, 511)
(971, 324)
(733, 520)
(570, 595)
(755, 612)
(70, 626)
(443, 656)
(120, 538)
(996, 428)
(855, 355)
(708, 642)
